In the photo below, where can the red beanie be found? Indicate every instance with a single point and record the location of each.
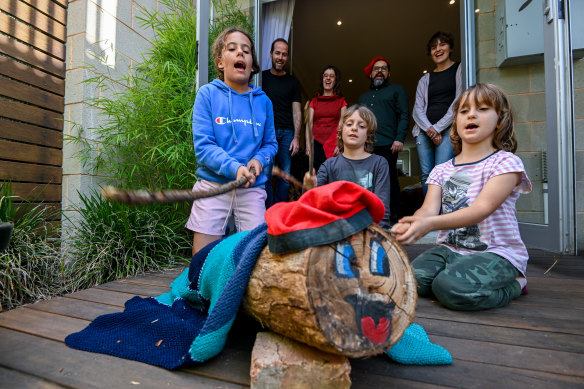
(369, 67)
(323, 215)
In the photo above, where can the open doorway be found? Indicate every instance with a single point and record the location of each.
(396, 30)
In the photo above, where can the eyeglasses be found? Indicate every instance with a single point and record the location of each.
(384, 68)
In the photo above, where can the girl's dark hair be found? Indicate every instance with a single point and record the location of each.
(369, 117)
(441, 36)
(219, 45)
(494, 97)
(337, 86)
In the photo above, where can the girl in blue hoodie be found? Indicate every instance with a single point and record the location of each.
(233, 131)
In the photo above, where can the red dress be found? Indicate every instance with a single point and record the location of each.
(325, 122)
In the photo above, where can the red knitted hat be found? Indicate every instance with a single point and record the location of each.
(322, 215)
(369, 68)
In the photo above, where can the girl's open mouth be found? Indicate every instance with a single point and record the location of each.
(240, 65)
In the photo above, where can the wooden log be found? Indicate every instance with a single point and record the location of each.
(354, 297)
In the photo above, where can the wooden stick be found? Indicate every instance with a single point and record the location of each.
(288, 177)
(141, 197)
(550, 268)
(311, 156)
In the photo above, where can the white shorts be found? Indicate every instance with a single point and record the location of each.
(211, 215)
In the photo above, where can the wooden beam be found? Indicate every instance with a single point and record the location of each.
(32, 56)
(31, 36)
(31, 134)
(31, 114)
(35, 18)
(32, 95)
(51, 8)
(37, 192)
(21, 72)
(17, 171)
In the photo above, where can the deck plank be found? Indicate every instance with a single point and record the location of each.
(103, 296)
(560, 320)
(78, 309)
(465, 374)
(15, 379)
(137, 289)
(527, 358)
(80, 369)
(360, 380)
(503, 335)
(42, 324)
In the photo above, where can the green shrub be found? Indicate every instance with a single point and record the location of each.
(31, 267)
(145, 142)
(116, 240)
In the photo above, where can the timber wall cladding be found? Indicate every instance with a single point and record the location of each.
(32, 88)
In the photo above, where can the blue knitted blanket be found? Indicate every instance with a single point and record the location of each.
(190, 323)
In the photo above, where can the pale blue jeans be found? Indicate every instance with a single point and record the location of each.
(431, 155)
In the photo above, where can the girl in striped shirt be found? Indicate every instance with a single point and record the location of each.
(479, 261)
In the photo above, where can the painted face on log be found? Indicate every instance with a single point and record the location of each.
(357, 288)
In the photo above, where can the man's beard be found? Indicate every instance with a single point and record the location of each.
(377, 82)
(278, 68)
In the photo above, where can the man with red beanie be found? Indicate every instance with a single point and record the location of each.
(389, 103)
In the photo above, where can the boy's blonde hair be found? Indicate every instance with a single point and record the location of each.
(219, 45)
(369, 117)
(494, 97)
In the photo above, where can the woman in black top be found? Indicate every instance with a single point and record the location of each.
(435, 96)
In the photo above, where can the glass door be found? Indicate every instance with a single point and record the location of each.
(523, 46)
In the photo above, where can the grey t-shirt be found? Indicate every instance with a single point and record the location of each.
(372, 173)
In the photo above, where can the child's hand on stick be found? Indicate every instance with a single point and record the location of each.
(255, 164)
(243, 171)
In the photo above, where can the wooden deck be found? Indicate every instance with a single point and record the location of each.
(536, 342)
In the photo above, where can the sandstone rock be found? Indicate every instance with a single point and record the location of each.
(279, 362)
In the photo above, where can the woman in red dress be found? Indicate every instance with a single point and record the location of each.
(324, 114)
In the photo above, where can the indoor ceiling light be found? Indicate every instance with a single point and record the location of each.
(425, 71)
(350, 80)
(452, 2)
(339, 22)
(477, 11)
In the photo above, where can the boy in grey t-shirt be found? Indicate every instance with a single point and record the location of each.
(356, 163)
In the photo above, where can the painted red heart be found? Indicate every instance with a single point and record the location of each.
(377, 334)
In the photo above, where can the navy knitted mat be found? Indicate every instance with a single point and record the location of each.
(180, 335)
(147, 331)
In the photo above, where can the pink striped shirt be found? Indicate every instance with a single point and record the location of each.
(499, 232)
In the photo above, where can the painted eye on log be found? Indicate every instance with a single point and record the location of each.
(379, 263)
(344, 261)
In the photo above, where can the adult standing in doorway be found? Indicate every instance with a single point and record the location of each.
(435, 97)
(389, 103)
(324, 114)
(285, 92)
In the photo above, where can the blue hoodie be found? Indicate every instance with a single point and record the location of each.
(230, 129)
